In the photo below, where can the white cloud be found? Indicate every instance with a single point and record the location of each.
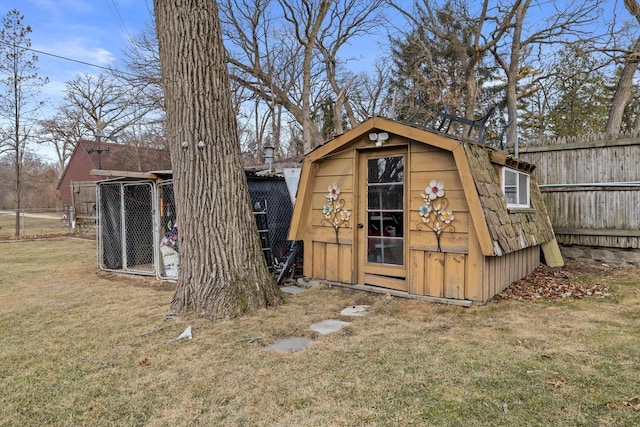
(80, 49)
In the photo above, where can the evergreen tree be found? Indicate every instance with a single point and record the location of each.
(440, 59)
(580, 100)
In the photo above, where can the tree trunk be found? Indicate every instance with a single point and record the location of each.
(625, 83)
(623, 91)
(222, 269)
(17, 152)
(512, 76)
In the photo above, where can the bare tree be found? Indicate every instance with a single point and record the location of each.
(370, 94)
(468, 37)
(62, 132)
(39, 181)
(348, 19)
(222, 270)
(104, 101)
(142, 69)
(563, 24)
(21, 86)
(292, 59)
(101, 98)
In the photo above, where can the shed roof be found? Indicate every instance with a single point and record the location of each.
(499, 229)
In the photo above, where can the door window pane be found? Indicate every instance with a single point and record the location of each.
(388, 224)
(386, 170)
(386, 196)
(382, 250)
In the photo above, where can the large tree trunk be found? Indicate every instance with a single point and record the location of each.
(222, 269)
(623, 91)
(625, 83)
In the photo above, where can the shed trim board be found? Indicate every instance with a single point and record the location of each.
(479, 250)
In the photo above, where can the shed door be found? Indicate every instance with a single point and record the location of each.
(382, 219)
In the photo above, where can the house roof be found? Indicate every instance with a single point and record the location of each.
(114, 157)
(118, 157)
(499, 231)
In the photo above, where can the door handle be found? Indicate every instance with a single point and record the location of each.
(360, 225)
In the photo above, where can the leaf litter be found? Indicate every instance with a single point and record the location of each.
(549, 284)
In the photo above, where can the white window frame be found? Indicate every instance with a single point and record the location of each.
(520, 177)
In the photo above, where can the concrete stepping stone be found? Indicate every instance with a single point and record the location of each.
(328, 326)
(355, 310)
(292, 289)
(290, 345)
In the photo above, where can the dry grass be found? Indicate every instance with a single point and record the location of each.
(33, 225)
(84, 347)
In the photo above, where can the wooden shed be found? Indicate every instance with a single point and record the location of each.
(396, 208)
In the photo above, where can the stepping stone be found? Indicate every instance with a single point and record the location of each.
(328, 326)
(289, 345)
(292, 289)
(307, 283)
(355, 310)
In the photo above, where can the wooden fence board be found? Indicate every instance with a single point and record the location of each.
(597, 214)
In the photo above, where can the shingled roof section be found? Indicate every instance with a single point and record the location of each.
(510, 229)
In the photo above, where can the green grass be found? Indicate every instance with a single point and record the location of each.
(89, 348)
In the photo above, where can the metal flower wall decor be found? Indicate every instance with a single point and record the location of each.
(435, 213)
(334, 212)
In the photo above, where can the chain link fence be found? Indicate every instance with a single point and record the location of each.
(33, 223)
(272, 209)
(126, 232)
(137, 230)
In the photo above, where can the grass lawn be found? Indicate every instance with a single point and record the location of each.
(81, 347)
(33, 225)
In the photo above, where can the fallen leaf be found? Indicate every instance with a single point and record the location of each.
(633, 403)
(557, 382)
(546, 283)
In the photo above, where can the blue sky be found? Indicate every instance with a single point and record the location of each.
(97, 32)
(94, 32)
(89, 31)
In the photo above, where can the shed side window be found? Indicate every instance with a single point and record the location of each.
(515, 186)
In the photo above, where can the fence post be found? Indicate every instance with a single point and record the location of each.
(72, 218)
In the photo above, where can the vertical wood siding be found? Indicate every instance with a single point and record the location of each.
(500, 272)
(444, 275)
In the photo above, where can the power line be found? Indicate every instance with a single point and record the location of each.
(114, 10)
(64, 58)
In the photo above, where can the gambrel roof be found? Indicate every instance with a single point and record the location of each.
(499, 230)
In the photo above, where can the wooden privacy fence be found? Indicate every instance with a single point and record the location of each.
(83, 202)
(591, 186)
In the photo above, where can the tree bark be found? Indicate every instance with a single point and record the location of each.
(625, 83)
(512, 75)
(623, 91)
(222, 269)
